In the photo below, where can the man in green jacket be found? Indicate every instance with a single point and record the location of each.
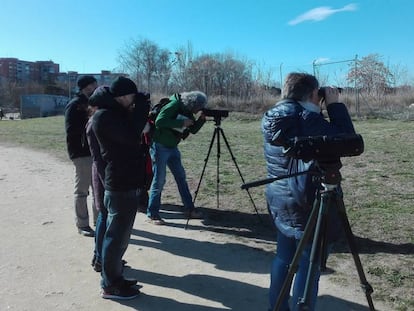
(175, 121)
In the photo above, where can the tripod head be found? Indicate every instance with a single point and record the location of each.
(328, 171)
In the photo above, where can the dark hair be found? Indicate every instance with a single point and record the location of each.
(123, 86)
(299, 86)
(85, 81)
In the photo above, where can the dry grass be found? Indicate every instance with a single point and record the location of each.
(378, 192)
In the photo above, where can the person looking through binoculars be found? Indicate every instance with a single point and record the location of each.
(290, 200)
(174, 122)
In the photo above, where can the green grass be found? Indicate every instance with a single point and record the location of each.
(378, 187)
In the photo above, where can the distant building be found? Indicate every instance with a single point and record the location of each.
(21, 71)
(47, 72)
(57, 87)
(71, 77)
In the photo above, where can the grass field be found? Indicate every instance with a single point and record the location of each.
(378, 189)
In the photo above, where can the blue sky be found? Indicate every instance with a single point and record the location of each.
(282, 36)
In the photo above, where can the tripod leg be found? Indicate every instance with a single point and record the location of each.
(240, 174)
(298, 254)
(317, 251)
(366, 287)
(205, 164)
(218, 168)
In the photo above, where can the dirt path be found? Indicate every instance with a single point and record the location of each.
(44, 262)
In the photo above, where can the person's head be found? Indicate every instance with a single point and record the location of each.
(124, 91)
(97, 99)
(87, 84)
(301, 87)
(194, 101)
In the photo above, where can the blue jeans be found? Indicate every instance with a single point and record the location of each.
(162, 157)
(100, 232)
(122, 207)
(286, 248)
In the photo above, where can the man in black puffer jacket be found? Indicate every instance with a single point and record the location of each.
(290, 200)
(76, 117)
(118, 128)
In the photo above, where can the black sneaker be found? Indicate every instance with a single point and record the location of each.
(86, 231)
(156, 220)
(97, 266)
(130, 282)
(121, 293)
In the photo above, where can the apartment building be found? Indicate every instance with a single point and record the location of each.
(47, 72)
(21, 71)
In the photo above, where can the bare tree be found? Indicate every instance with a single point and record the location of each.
(371, 75)
(147, 63)
(183, 58)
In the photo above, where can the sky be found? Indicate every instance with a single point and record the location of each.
(278, 36)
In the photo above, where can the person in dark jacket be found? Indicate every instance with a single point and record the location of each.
(76, 117)
(118, 128)
(290, 200)
(174, 122)
(97, 101)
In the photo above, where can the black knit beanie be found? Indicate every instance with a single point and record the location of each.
(85, 81)
(123, 86)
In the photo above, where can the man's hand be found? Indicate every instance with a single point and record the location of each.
(188, 122)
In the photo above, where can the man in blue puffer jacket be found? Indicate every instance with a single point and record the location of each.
(290, 200)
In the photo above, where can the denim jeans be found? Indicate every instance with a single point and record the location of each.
(286, 248)
(100, 233)
(122, 208)
(162, 157)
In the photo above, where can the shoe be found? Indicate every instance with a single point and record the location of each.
(121, 293)
(194, 214)
(93, 260)
(97, 266)
(156, 220)
(130, 282)
(86, 231)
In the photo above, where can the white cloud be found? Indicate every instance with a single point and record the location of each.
(321, 13)
(321, 60)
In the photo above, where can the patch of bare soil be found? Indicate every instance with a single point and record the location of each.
(221, 263)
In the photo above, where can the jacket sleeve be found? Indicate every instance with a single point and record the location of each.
(314, 124)
(140, 113)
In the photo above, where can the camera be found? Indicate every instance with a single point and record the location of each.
(322, 91)
(216, 113)
(323, 148)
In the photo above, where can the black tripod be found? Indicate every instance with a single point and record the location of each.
(327, 198)
(216, 135)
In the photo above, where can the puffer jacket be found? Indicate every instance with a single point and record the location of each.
(119, 135)
(291, 199)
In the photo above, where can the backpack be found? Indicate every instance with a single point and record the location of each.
(152, 116)
(155, 111)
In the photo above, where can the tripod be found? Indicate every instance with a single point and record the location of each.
(327, 198)
(216, 135)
